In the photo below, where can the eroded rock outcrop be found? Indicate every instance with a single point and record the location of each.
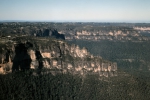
(49, 33)
(56, 56)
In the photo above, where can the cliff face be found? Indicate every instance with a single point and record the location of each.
(55, 56)
(49, 32)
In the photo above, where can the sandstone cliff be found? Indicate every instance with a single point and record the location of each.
(56, 56)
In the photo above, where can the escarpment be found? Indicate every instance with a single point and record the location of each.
(55, 56)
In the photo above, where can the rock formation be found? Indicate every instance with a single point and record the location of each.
(49, 33)
(56, 56)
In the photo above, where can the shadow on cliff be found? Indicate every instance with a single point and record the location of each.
(21, 59)
(50, 32)
(40, 61)
(57, 35)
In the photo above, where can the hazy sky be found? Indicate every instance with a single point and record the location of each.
(76, 10)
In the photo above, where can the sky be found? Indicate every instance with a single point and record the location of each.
(76, 10)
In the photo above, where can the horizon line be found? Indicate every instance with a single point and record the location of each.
(84, 21)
